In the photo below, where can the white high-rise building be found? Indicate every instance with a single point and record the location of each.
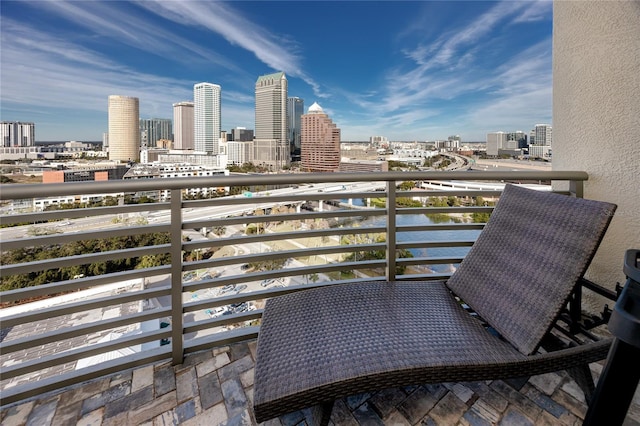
(271, 147)
(183, 125)
(544, 134)
(17, 133)
(206, 114)
(495, 142)
(240, 152)
(124, 128)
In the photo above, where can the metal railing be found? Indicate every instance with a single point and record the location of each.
(283, 233)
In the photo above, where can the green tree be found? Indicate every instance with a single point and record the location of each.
(376, 254)
(219, 230)
(407, 186)
(79, 248)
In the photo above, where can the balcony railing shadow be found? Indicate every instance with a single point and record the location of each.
(180, 276)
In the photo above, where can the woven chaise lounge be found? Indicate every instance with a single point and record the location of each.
(321, 344)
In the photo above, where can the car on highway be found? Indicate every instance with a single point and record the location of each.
(239, 288)
(227, 288)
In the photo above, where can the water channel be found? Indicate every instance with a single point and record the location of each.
(436, 235)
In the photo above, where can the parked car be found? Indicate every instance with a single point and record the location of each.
(227, 288)
(267, 282)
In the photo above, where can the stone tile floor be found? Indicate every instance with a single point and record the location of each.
(215, 387)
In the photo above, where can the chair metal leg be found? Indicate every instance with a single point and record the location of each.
(584, 379)
(321, 414)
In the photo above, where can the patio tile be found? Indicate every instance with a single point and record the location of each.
(215, 387)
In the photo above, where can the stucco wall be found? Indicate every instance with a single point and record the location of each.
(596, 115)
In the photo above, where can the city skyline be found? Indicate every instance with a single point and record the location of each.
(406, 70)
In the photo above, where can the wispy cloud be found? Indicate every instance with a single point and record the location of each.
(55, 73)
(123, 26)
(275, 51)
(523, 93)
(536, 11)
(452, 66)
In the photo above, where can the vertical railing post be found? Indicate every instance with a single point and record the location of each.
(177, 343)
(391, 231)
(576, 188)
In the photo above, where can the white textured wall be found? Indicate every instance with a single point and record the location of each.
(596, 115)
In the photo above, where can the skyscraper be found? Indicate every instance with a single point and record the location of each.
(295, 109)
(17, 133)
(271, 148)
(183, 125)
(320, 142)
(241, 134)
(154, 129)
(124, 128)
(206, 113)
(516, 140)
(495, 142)
(544, 135)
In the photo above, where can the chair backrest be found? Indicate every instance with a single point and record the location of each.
(528, 259)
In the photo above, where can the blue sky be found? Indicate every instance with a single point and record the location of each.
(407, 70)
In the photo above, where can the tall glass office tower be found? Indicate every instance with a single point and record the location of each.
(206, 117)
(271, 147)
(295, 109)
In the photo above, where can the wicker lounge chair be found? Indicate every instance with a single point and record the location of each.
(321, 344)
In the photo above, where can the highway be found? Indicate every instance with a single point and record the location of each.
(188, 214)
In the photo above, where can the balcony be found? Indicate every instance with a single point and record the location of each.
(165, 330)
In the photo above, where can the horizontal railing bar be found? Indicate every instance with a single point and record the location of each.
(43, 265)
(86, 305)
(444, 210)
(221, 339)
(222, 321)
(428, 192)
(257, 198)
(283, 217)
(327, 196)
(423, 277)
(435, 260)
(78, 330)
(440, 227)
(75, 213)
(434, 244)
(361, 194)
(12, 192)
(81, 236)
(293, 198)
(30, 389)
(214, 302)
(25, 367)
(82, 283)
